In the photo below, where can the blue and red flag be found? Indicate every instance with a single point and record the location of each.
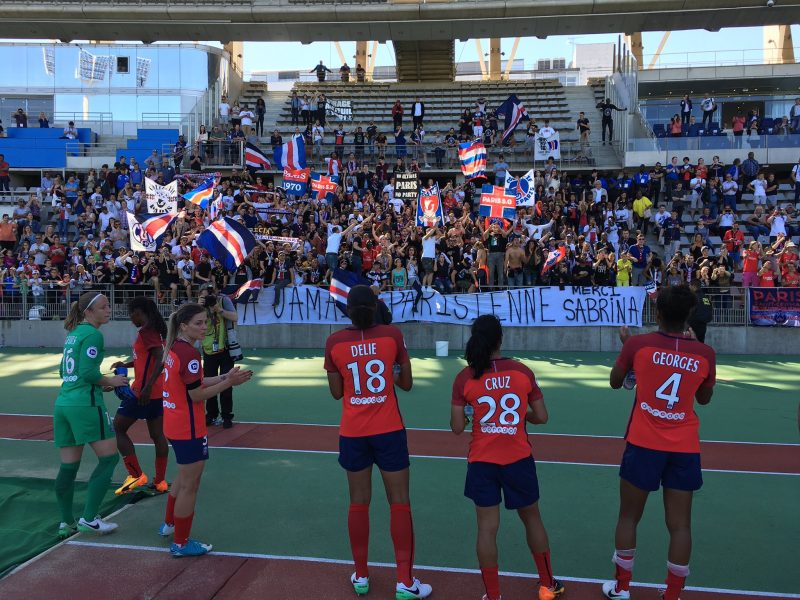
(255, 158)
(292, 154)
(341, 282)
(146, 231)
(430, 211)
(553, 258)
(295, 181)
(513, 112)
(247, 290)
(324, 187)
(202, 193)
(497, 203)
(472, 156)
(227, 241)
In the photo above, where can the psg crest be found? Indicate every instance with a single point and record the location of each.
(139, 234)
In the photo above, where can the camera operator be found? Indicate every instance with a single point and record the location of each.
(217, 360)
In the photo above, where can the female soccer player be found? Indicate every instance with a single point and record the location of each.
(663, 444)
(80, 416)
(360, 361)
(185, 391)
(145, 402)
(504, 395)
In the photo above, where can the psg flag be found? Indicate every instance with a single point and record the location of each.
(255, 159)
(497, 203)
(324, 187)
(430, 211)
(292, 154)
(553, 258)
(227, 241)
(513, 112)
(146, 230)
(341, 282)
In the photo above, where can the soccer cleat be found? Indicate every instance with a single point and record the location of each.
(217, 421)
(131, 483)
(227, 423)
(166, 530)
(360, 584)
(96, 526)
(610, 591)
(414, 592)
(554, 591)
(162, 487)
(65, 530)
(190, 548)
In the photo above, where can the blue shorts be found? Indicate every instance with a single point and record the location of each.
(133, 410)
(188, 452)
(387, 450)
(648, 469)
(517, 481)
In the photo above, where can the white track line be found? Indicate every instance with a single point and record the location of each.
(537, 433)
(426, 568)
(460, 458)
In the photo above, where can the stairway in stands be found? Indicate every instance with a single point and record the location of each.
(585, 99)
(275, 101)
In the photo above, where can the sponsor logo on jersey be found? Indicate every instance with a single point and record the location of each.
(70, 379)
(368, 400)
(498, 429)
(662, 414)
(91, 352)
(194, 366)
(166, 404)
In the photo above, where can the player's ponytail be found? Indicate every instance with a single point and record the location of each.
(183, 315)
(149, 309)
(363, 317)
(485, 339)
(78, 308)
(674, 306)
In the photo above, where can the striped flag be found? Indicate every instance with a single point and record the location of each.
(202, 193)
(292, 154)
(255, 158)
(227, 241)
(247, 289)
(473, 160)
(146, 230)
(513, 111)
(553, 258)
(341, 282)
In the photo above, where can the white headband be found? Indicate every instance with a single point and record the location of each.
(88, 306)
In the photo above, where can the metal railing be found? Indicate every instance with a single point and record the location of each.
(212, 155)
(715, 58)
(730, 305)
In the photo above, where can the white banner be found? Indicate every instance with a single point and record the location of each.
(547, 146)
(161, 198)
(572, 306)
(339, 110)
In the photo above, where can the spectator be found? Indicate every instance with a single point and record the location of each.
(178, 152)
(686, 110)
(418, 112)
(361, 74)
(675, 127)
(201, 141)
(344, 72)
(737, 124)
(5, 178)
(295, 104)
(224, 111)
(321, 70)
(70, 132)
(305, 109)
(397, 114)
(43, 122)
(708, 106)
(607, 109)
(246, 117)
(322, 109)
(261, 111)
(20, 117)
(640, 254)
(794, 116)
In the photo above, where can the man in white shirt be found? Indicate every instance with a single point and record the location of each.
(224, 111)
(729, 190)
(247, 116)
(186, 274)
(697, 186)
(418, 112)
(599, 194)
(759, 188)
(547, 132)
(104, 219)
(777, 224)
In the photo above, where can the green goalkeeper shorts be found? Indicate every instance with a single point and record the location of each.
(79, 425)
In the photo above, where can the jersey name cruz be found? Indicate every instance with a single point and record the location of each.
(364, 349)
(498, 383)
(679, 361)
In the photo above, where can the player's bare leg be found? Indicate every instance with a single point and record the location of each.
(539, 544)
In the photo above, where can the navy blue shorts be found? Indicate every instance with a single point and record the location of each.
(387, 450)
(517, 481)
(648, 469)
(152, 410)
(188, 452)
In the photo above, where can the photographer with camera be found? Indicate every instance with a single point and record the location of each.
(219, 354)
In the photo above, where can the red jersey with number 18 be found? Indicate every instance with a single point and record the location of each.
(500, 397)
(143, 363)
(669, 371)
(365, 359)
(183, 419)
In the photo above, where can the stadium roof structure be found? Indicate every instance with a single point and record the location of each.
(382, 20)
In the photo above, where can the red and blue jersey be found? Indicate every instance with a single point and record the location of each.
(669, 371)
(183, 419)
(143, 362)
(501, 397)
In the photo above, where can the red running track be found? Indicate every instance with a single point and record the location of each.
(724, 456)
(132, 574)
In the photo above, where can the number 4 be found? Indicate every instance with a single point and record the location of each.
(669, 390)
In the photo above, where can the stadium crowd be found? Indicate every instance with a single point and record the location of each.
(617, 229)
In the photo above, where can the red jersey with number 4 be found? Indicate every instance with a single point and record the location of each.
(501, 397)
(143, 362)
(365, 360)
(183, 419)
(669, 371)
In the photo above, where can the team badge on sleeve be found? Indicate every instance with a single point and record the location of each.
(91, 352)
(194, 367)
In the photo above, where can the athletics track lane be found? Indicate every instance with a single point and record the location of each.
(723, 456)
(99, 571)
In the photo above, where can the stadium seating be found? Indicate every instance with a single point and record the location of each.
(42, 148)
(146, 141)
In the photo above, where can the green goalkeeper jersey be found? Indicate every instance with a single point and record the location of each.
(80, 368)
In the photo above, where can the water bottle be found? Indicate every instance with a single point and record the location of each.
(469, 412)
(121, 371)
(630, 380)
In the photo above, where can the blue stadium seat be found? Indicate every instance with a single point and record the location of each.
(767, 123)
(659, 129)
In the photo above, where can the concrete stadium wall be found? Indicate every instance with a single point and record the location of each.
(726, 340)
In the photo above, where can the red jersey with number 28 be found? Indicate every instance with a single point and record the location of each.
(143, 363)
(365, 359)
(183, 419)
(500, 397)
(669, 371)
